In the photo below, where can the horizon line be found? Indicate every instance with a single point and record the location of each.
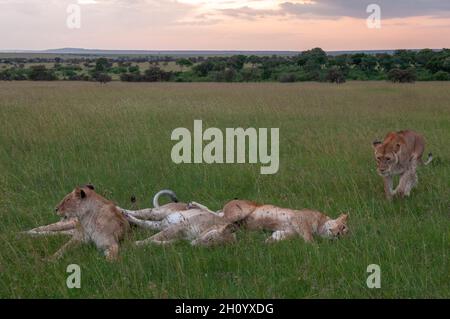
(200, 50)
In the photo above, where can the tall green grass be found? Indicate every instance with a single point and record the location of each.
(54, 136)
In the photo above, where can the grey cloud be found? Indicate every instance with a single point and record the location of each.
(334, 9)
(357, 8)
(250, 13)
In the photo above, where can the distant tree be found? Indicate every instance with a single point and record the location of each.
(385, 61)
(41, 73)
(316, 56)
(423, 56)
(102, 77)
(131, 77)
(404, 58)
(250, 74)
(203, 68)
(133, 68)
(368, 63)
(6, 75)
(287, 77)
(342, 61)
(441, 76)
(229, 74)
(254, 60)
(402, 75)
(102, 65)
(75, 77)
(439, 62)
(335, 75)
(184, 63)
(155, 74)
(236, 62)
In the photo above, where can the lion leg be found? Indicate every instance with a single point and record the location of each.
(148, 224)
(388, 187)
(308, 236)
(112, 252)
(58, 226)
(167, 236)
(280, 235)
(63, 227)
(75, 240)
(407, 181)
(33, 233)
(147, 213)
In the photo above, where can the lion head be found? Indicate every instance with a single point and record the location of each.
(74, 202)
(336, 228)
(388, 153)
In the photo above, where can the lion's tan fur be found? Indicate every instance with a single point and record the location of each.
(284, 222)
(99, 221)
(177, 221)
(399, 154)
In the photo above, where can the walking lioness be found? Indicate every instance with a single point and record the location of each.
(98, 221)
(399, 154)
(283, 222)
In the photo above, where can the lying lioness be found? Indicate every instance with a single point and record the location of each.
(67, 225)
(176, 221)
(97, 220)
(283, 222)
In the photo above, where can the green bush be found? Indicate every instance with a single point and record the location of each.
(441, 76)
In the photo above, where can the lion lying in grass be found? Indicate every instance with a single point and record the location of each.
(283, 222)
(97, 220)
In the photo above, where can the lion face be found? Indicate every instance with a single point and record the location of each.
(386, 157)
(73, 202)
(337, 228)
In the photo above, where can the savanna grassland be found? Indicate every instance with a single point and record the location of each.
(54, 136)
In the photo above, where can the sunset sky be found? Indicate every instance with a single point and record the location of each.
(224, 24)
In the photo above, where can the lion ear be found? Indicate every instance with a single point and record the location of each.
(376, 143)
(90, 186)
(343, 218)
(80, 193)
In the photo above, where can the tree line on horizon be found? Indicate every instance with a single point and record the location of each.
(313, 65)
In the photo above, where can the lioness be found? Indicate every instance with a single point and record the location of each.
(399, 154)
(177, 221)
(97, 220)
(66, 226)
(283, 222)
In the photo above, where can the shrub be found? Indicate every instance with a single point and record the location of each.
(287, 77)
(41, 73)
(131, 77)
(441, 76)
(155, 74)
(402, 75)
(101, 77)
(250, 74)
(335, 75)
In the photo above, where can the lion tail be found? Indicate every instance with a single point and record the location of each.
(166, 192)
